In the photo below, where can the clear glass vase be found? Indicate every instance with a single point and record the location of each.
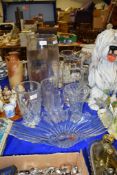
(43, 56)
(74, 95)
(29, 101)
(51, 94)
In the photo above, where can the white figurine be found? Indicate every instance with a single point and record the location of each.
(1, 105)
(103, 68)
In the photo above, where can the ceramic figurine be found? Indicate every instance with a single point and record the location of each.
(1, 95)
(7, 97)
(103, 68)
(1, 106)
(4, 90)
(0, 89)
(9, 110)
(12, 100)
(6, 93)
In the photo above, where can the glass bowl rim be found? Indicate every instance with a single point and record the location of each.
(24, 82)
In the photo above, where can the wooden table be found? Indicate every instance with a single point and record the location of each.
(72, 46)
(7, 48)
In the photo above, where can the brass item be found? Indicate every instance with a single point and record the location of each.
(104, 157)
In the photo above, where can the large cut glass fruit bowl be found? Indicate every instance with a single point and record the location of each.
(64, 122)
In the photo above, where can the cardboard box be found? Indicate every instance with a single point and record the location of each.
(98, 23)
(63, 26)
(101, 20)
(100, 17)
(66, 16)
(97, 13)
(43, 161)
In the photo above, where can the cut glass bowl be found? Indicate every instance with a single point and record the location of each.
(66, 125)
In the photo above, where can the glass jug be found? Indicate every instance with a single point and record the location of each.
(70, 67)
(43, 56)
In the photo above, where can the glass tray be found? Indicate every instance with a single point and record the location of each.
(64, 133)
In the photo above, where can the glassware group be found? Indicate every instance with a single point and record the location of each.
(54, 115)
(52, 101)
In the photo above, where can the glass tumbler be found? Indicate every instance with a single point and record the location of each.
(43, 56)
(75, 94)
(29, 101)
(51, 94)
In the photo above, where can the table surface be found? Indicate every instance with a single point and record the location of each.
(14, 146)
(60, 45)
(75, 44)
(10, 46)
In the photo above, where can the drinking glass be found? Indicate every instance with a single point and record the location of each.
(75, 94)
(43, 56)
(51, 94)
(29, 101)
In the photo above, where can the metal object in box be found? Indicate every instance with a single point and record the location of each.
(44, 161)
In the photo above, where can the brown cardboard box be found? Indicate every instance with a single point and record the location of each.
(98, 23)
(63, 26)
(66, 16)
(43, 161)
(100, 17)
(97, 13)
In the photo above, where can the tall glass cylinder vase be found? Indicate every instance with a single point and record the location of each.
(43, 56)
